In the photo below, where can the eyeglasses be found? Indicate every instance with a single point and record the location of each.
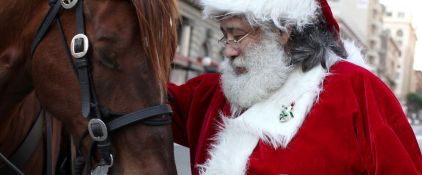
(223, 42)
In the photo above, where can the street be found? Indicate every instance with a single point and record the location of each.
(418, 132)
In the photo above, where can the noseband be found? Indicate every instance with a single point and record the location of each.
(101, 120)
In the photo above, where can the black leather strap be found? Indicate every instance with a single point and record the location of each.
(80, 22)
(82, 65)
(45, 25)
(158, 121)
(48, 142)
(84, 84)
(163, 109)
(27, 147)
(9, 168)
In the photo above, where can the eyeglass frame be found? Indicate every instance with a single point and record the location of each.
(223, 42)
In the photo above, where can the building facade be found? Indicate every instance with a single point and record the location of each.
(198, 50)
(398, 21)
(389, 57)
(363, 21)
(418, 82)
(382, 30)
(353, 14)
(375, 35)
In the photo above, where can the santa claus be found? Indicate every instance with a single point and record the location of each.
(292, 98)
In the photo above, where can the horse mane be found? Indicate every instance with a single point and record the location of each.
(17, 14)
(16, 17)
(158, 22)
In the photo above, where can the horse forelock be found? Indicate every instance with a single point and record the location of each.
(157, 21)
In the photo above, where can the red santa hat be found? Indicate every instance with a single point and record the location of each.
(298, 13)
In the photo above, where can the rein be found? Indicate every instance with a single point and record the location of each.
(101, 121)
(23, 153)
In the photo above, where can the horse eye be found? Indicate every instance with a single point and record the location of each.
(107, 58)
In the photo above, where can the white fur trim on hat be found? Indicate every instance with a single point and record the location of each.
(280, 12)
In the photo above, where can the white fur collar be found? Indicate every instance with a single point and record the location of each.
(239, 136)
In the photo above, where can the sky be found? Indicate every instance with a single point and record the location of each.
(417, 22)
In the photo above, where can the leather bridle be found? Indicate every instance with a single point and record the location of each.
(101, 120)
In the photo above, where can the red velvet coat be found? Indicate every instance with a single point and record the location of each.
(356, 127)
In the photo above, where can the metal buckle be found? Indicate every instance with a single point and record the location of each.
(98, 130)
(103, 169)
(68, 4)
(78, 41)
(111, 160)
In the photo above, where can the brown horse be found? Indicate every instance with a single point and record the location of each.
(131, 43)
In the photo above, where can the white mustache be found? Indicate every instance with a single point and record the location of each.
(266, 71)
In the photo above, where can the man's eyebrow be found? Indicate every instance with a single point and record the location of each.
(232, 29)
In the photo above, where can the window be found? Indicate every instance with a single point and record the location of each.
(389, 14)
(374, 28)
(371, 59)
(399, 43)
(374, 13)
(399, 33)
(401, 15)
(372, 44)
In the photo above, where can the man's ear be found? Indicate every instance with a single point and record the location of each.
(285, 35)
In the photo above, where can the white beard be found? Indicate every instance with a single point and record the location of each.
(267, 70)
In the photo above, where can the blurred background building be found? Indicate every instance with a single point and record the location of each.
(398, 22)
(389, 40)
(197, 51)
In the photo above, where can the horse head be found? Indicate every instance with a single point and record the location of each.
(129, 46)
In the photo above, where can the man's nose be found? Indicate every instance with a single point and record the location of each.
(230, 52)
